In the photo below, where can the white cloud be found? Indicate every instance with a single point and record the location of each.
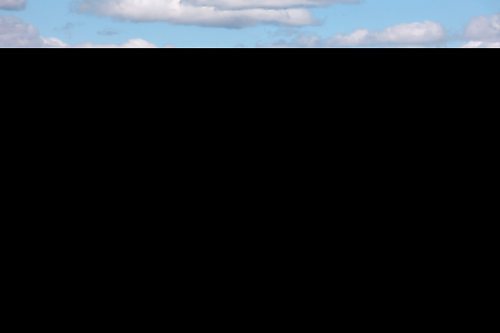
(12, 4)
(16, 33)
(283, 4)
(415, 34)
(411, 34)
(130, 44)
(484, 28)
(221, 13)
(479, 44)
(53, 42)
(483, 32)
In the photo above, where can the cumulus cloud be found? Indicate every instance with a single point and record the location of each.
(220, 13)
(245, 4)
(12, 4)
(16, 33)
(130, 44)
(482, 45)
(483, 31)
(415, 34)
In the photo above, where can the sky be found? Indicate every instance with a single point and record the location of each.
(249, 23)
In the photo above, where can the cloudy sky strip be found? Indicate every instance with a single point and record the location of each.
(249, 23)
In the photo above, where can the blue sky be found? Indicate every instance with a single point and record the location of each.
(367, 23)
